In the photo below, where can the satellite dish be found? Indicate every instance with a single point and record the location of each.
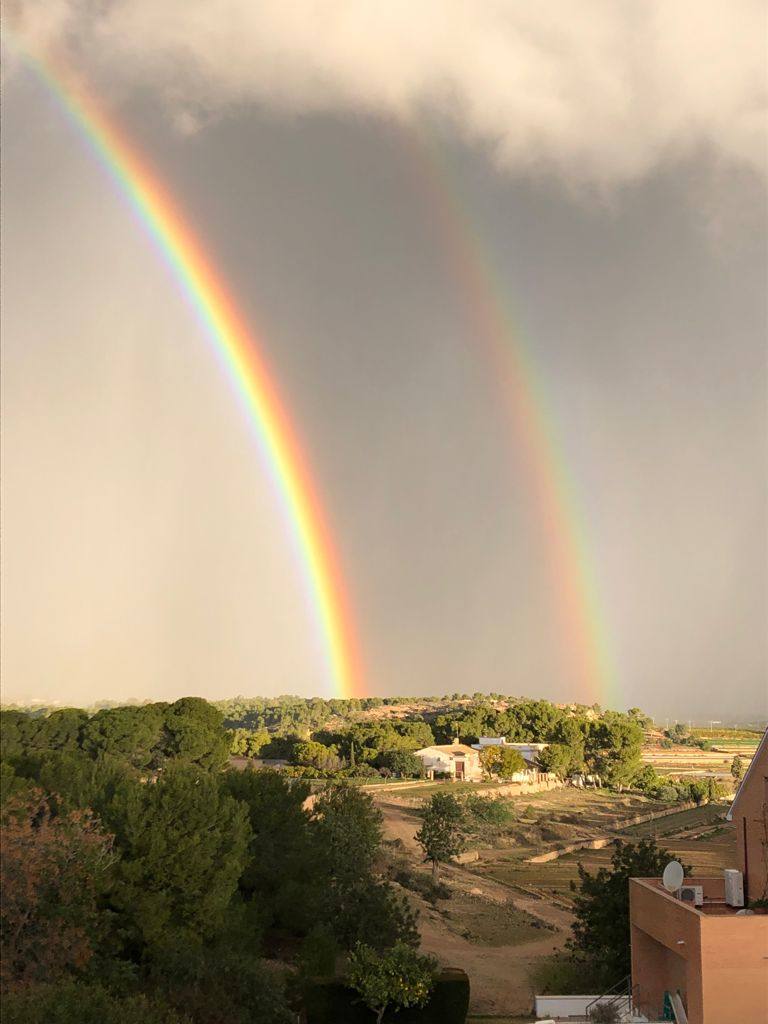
(673, 876)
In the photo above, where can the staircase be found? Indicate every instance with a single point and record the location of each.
(618, 997)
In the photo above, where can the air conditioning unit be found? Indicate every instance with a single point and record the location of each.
(734, 888)
(692, 894)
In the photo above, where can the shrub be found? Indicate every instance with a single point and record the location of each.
(604, 1013)
(489, 812)
(561, 974)
(422, 884)
(668, 794)
(86, 1004)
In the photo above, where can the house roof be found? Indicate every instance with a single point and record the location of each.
(456, 749)
(762, 746)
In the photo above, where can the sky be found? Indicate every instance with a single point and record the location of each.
(604, 165)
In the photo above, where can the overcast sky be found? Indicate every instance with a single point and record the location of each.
(611, 159)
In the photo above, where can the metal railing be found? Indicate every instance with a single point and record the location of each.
(618, 995)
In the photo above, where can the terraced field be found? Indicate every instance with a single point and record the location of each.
(508, 862)
(698, 817)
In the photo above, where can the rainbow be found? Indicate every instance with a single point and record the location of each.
(577, 603)
(241, 352)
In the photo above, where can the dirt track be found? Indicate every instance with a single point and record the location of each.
(499, 974)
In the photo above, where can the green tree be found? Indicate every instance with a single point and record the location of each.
(131, 734)
(442, 834)
(698, 791)
(571, 734)
(737, 769)
(247, 742)
(512, 762)
(61, 729)
(348, 831)
(613, 749)
(601, 908)
(74, 780)
(556, 758)
(11, 785)
(195, 732)
(280, 875)
(402, 763)
(490, 759)
(397, 978)
(15, 729)
(184, 846)
(648, 781)
(715, 790)
(317, 755)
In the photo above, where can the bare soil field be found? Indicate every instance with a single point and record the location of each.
(494, 933)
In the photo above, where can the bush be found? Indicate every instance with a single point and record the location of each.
(422, 884)
(319, 950)
(561, 974)
(87, 1004)
(489, 812)
(667, 794)
(603, 1013)
(332, 1002)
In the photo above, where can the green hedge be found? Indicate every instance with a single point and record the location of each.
(330, 1002)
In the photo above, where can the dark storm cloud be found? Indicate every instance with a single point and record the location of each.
(148, 556)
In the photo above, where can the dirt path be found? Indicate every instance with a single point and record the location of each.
(499, 975)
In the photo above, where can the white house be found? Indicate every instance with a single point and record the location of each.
(454, 759)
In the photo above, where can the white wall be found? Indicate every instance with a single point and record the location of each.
(567, 1006)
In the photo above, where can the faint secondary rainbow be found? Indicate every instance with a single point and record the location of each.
(241, 353)
(576, 596)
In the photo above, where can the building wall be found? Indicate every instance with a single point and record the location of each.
(752, 827)
(719, 963)
(666, 951)
(439, 761)
(735, 969)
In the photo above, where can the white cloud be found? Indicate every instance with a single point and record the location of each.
(599, 91)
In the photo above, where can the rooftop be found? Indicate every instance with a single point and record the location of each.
(714, 896)
(448, 748)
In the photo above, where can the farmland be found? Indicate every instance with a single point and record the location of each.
(501, 914)
(690, 760)
(556, 819)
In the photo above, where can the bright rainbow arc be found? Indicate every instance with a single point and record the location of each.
(573, 578)
(226, 328)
